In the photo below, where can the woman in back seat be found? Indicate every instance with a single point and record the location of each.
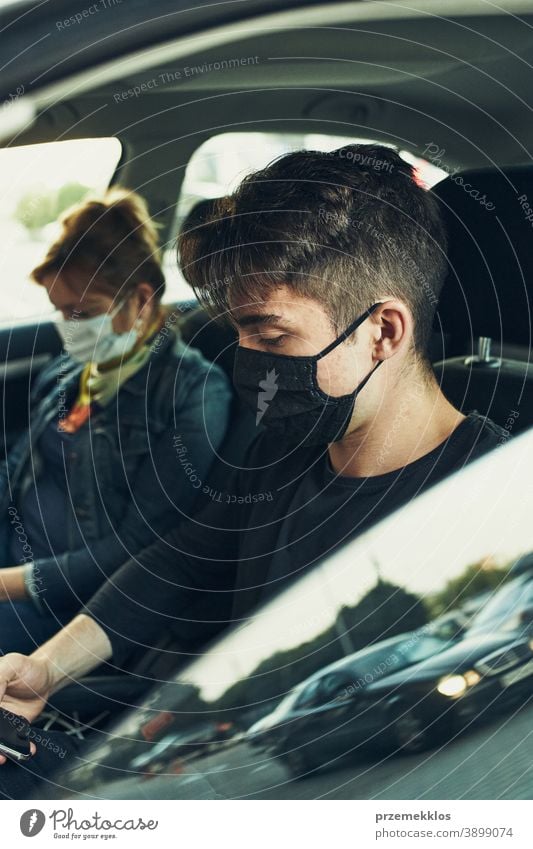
(124, 424)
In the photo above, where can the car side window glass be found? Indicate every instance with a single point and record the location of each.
(334, 688)
(220, 163)
(309, 695)
(38, 182)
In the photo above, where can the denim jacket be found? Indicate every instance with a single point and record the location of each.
(127, 482)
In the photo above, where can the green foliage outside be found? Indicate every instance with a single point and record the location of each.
(40, 206)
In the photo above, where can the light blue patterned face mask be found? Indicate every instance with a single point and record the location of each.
(93, 339)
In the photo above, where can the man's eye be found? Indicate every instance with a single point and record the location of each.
(273, 341)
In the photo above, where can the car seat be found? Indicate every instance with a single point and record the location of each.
(482, 339)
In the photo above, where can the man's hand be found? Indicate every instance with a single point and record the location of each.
(12, 583)
(25, 684)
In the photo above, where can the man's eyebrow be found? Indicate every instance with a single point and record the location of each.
(262, 319)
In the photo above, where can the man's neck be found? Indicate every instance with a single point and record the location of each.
(412, 420)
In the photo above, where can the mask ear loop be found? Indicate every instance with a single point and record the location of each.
(367, 378)
(138, 323)
(119, 306)
(348, 332)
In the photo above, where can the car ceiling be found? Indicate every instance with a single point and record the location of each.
(410, 76)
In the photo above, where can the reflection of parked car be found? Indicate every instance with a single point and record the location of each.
(184, 744)
(450, 626)
(523, 565)
(490, 667)
(322, 717)
(509, 609)
(471, 607)
(446, 629)
(409, 691)
(443, 694)
(410, 709)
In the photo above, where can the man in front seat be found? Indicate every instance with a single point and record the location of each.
(329, 265)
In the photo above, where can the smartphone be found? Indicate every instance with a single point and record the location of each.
(14, 736)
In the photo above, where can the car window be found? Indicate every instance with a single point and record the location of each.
(323, 690)
(333, 686)
(369, 666)
(37, 183)
(219, 164)
(372, 663)
(375, 662)
(502, 609)
(413, 651)
(309, 695)
(287, 644)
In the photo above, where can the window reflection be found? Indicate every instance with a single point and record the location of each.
(411, 639)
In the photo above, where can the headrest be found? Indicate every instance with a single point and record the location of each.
(489, 218)
(217, 342)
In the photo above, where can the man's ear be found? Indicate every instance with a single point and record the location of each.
(393, 325)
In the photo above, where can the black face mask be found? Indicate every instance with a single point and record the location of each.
(285, 394)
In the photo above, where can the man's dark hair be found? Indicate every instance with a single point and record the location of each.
(345, 228)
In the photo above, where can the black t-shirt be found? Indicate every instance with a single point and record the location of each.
(260, 528)
(328, 509)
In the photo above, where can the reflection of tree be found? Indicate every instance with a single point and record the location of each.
(40, 205)
(386, 610)
(477, 578)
